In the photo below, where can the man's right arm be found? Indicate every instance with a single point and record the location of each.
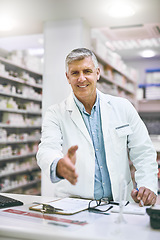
(50, 156)
(65, 167)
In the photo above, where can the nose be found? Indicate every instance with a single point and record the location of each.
(81, 78)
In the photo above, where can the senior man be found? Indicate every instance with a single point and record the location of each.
(88, 138)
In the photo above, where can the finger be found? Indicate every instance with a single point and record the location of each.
(71, 176)
(134, 194)
(141, 194)
(145, 195)
(72, 150)
(68, 172)
(151, 200)
(73, 179)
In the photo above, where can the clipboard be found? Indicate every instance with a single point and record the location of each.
(65, 206)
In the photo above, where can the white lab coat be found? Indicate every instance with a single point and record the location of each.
(123, 132)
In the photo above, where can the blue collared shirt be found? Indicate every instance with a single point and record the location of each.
(102, 184)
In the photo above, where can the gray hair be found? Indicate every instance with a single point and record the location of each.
(80, 54)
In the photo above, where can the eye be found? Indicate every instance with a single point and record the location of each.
(88, 71)
(74, 73)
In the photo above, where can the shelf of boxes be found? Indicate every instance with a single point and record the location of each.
(21, 184)
(20, 125)
(151, 87)
(116, 78)
(24, 126)
(150, 96)
(19, 167)
(4, 142)
(156, 143)
(149, 109)
(18, 96)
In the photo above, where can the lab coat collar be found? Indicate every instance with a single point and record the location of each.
(71, 104)
(76, 117)
(78, 120)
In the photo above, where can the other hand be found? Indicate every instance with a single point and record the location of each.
(66, 166)
(146, 195)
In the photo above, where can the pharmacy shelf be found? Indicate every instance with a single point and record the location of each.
(145, 85)
(19, 172)
(123, 85)
(20, 81)
(24, 185)
(17, 66)
(107, 79)
(20, 115)
(4, 125)
(152, 70)
(16, 157)
(18, 141)
(151, 86)
(103, 61)
(19, 96)
(21, 111)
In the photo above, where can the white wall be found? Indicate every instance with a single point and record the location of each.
(60, 38)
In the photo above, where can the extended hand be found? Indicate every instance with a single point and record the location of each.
(66, 166)
(146, 195)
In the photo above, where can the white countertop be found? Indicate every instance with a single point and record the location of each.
(99, 226)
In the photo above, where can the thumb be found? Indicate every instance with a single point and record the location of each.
(72, 153)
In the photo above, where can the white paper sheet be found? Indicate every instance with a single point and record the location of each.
(68, 205)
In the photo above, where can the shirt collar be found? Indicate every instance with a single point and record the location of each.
(81, 106)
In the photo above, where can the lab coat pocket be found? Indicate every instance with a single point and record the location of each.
(123, 130)
(119, 136)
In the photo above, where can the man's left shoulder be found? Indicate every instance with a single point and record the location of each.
(113, 99)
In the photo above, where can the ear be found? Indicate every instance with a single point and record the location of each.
(98, 73)
(67, 76)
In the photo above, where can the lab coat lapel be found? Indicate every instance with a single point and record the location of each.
(77, 118)
(105, 116)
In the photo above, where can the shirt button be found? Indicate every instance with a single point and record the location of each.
(97, 149)
(103, 183)
(101, 167)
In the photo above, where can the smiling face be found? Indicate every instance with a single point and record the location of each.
(83, 76)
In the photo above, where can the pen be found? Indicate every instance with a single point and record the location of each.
(141, 199)
(117, 203)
